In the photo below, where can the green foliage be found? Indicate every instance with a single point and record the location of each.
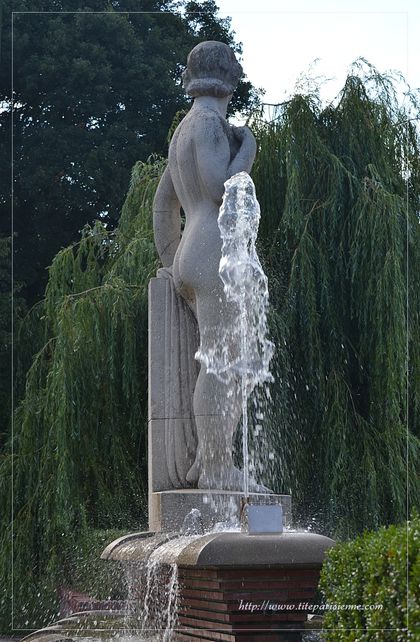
(374, 569)
(339, 188)
(79, 444)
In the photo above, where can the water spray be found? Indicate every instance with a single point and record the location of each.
(245, 284)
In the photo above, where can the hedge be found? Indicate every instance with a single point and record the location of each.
(373, 570)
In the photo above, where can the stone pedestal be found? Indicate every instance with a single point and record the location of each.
(237, 587)
(173, 370)
(168, 509)
(233, 587)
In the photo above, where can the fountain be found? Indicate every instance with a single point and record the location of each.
(219, 561)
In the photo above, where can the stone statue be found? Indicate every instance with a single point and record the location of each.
(205, 151)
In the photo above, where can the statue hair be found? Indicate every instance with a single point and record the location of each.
(212, 70)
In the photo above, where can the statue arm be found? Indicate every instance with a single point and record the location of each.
(213, 156)
(166, 219)
(244, 159)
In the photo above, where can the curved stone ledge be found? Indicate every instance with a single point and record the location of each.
(84, 625)
(288, 549)
(240, 549)
(122, 542)
(135, 547)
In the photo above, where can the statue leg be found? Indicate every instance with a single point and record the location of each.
(216, 411)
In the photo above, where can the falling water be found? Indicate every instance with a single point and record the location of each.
(245, 285)
(152, 601)
(172, 609)
(153, 592)
(151, 568)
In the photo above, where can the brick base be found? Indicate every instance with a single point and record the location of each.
(244, 604)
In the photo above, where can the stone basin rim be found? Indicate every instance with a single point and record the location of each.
(226, 549)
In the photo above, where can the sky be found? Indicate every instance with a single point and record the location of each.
(282, 39)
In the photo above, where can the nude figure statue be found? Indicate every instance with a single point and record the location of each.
(204, 152)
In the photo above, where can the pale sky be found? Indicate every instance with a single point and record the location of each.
(282, 38)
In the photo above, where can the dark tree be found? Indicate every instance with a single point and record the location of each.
(94, 93)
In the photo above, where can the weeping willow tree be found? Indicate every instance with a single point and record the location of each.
(78, 450)
(339, 194)
(339, 188)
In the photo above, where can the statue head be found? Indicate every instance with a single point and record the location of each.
(212, 70)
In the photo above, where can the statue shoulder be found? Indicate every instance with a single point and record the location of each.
(209, 126)
(208, 133)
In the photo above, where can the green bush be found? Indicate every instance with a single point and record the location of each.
(374, 569)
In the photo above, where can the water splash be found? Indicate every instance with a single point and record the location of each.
(193, 523)
(246, 286)
(244, 280)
